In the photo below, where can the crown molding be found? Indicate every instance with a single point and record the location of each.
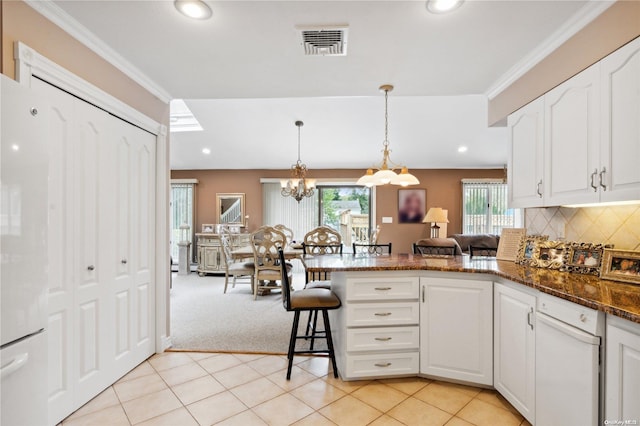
(62, 19)
(572, 26)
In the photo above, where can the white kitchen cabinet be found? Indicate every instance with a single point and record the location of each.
(526, 155)
(572, 140)
(376, 331)
(456, 318)
(622, 371)
(619, 178)
(514, 347)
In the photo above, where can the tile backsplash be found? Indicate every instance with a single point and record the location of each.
(618, 225)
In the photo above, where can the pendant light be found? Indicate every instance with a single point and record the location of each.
(298, 187)
(385, 173)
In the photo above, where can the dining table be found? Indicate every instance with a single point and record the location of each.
(245, 252)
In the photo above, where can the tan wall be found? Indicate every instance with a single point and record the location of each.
(443, 187)
(22, 23)
(614, 28)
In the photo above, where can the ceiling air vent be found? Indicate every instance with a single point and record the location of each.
(324, 41)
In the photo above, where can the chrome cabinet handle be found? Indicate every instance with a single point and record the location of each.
(123, 261)
(382, 314)
(383, 288)
(423, 294)
(90, 268)
(593, 176)
(383, 339)
(604, 170)
(382, 364)
(538, 185)
(529, 318)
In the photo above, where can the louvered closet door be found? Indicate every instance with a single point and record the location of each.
(133, 290)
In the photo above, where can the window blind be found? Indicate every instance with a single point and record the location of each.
(485, 210)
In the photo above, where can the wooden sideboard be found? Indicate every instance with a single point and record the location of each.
(210, 256)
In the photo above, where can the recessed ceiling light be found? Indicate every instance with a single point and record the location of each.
(195, 9)
(15, 147)
(462, 149)
(443, 6)
(206, 151)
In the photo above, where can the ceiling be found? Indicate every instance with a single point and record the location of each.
(245, 77)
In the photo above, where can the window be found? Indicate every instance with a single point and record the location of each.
(484, 208)
(181, 214)
(344, 208)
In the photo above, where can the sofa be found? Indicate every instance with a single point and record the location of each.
(476, 240)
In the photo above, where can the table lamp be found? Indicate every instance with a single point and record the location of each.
(434, 216)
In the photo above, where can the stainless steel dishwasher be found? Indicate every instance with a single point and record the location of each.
(568, 360)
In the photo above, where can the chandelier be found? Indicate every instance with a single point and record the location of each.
(386, 171)
(298, 186)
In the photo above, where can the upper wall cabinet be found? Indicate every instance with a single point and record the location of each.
(571, 146)
(591, 128)
(526, 155)
(620, 122)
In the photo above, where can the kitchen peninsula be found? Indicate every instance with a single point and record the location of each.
(484, 322)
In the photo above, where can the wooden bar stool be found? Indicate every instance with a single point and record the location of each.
(312, 299)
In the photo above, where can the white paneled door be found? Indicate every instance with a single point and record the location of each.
(102, 293)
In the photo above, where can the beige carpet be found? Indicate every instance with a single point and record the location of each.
(203, 318)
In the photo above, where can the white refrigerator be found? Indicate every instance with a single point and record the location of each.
(23, 281)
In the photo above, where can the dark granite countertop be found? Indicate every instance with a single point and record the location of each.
(612, 297)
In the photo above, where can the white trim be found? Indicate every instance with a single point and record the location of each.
(30, 63)
(484, 180)
(578, 21)
(193, 181)
(62, 19)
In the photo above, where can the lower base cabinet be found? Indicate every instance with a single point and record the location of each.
(514, 347)
(456, 324)
(622, 371)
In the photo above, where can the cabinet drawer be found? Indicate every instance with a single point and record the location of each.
(392, 288)
(381, 314)
(382, 365)
(383, 338)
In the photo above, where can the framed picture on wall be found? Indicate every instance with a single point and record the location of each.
(411, 205)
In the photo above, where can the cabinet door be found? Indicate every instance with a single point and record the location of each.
(620, 85)
(572, 140)
(526, 150)
(622, 373)
(514, 350)
(456, 329)
(211, 258)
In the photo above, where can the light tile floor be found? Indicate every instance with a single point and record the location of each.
(188, 388)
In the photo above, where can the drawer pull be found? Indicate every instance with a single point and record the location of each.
(382, 364)
(383, 288)
(383, 339)
(382, 314)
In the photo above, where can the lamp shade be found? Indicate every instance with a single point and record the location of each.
(384, 176)
(367, 180)
(405, 178)
(436, 215)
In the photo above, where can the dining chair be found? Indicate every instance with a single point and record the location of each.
(237, 270)
(372, 249)
(433, 250)
(288, 232)
(311, 300)
(265, 242)
(482, 251)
